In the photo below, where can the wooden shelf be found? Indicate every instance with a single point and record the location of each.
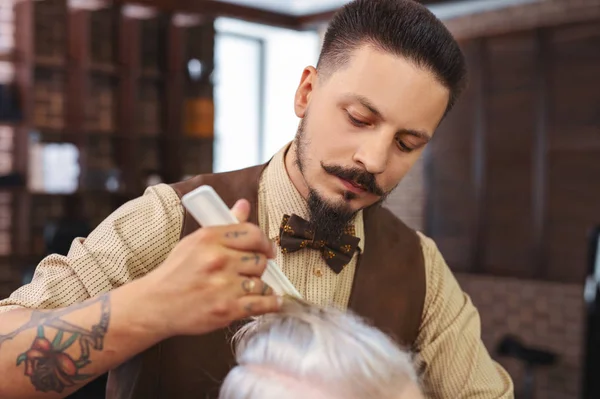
(158, 137)
(7, 56)
(85, 71)
(104, 69)
(50, 135)
(30, 259)
(151, 74)
(84, 192)
(10, 124)
(50, 62)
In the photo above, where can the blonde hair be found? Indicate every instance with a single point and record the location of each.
(317, 353)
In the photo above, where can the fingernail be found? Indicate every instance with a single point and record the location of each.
(279, 300)
(275, 247)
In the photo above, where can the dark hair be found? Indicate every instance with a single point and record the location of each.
(401, 27)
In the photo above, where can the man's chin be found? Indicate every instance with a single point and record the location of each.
(346, 202)
(356, 201)
(338, 199)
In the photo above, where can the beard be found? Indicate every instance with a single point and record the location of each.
(328, 218)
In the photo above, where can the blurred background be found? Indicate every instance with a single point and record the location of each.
(100, 99)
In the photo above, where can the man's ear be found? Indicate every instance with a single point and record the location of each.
(304, 91)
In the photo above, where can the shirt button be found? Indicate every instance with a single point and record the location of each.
(318, 272)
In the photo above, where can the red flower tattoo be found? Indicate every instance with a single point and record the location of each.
(47, 365)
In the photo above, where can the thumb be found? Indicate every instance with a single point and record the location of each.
(241, 210)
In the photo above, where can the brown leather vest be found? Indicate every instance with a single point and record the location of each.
(388, 290)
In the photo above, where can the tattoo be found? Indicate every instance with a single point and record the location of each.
(235, 234)
(253, 257)
(46, 362)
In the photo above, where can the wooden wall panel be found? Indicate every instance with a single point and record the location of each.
(449, 181)
(512, 173)
(508, 233)
(574, 149)
(573, 209)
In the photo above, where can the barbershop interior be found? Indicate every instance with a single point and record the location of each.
(101, 99)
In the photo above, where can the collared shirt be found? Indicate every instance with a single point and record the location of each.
(306, 269)
(137, 238)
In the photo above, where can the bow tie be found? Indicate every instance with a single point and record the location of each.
(295, 233)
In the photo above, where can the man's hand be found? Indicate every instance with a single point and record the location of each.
(211, 278)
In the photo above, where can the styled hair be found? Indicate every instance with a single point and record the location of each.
(318, 353)
(401, 27)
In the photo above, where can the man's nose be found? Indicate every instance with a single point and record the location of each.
(373, 155)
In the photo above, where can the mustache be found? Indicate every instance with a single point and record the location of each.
(357, 176)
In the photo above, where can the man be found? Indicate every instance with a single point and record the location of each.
(388, 73)
(319, 353)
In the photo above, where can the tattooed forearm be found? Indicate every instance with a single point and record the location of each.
(53, 362)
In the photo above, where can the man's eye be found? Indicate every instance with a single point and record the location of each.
(403, 147)
(356, 122)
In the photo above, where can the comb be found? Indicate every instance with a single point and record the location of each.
(207, 207)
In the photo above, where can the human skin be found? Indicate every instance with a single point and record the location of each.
(203, 285)
(376, 113)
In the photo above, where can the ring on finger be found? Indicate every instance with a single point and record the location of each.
(248, 285)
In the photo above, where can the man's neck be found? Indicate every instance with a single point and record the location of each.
(293, 171)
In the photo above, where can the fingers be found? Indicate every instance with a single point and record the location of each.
(254, 286)
(249, 263)
(255, 305)
(247, 237)
(241, 210)
(242, 237)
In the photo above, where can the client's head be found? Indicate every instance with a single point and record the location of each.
(309, 352)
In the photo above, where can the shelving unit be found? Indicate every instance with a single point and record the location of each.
(114, 84)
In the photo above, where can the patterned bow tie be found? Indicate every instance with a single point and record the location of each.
(295, 233)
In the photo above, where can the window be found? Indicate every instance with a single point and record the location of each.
(257, 71)
(238, 95)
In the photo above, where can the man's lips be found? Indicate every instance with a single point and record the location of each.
(353, 187)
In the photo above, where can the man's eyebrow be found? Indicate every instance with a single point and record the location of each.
(416, 133)
(365, 102)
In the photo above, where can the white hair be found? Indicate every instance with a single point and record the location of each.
(317, 353)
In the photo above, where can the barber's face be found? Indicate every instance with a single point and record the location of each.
(363, 127)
